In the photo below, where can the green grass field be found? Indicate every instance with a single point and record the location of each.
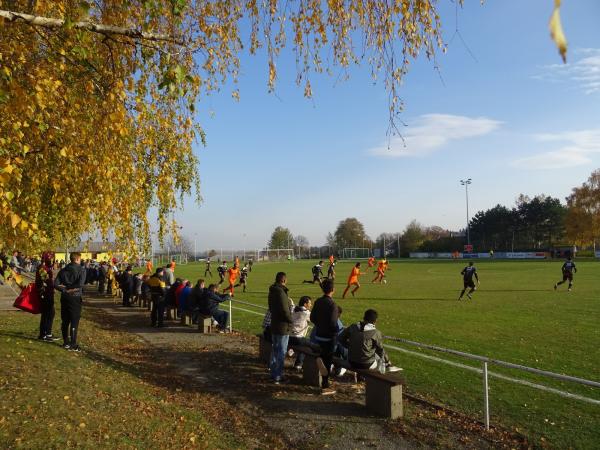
(515, 316)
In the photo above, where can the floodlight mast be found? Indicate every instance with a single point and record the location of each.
(466, 184)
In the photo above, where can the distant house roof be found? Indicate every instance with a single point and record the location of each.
(92, 247)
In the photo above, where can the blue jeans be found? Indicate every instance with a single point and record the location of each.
(278, 350)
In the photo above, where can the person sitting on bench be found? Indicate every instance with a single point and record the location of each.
(298, 329)
(365, 344)
(209, 306)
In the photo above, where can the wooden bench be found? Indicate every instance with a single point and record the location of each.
(310, 369)
(186, 318)
(383, 390)
(205, 324)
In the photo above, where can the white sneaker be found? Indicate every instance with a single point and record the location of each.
(215, 323)
(341, 372)
(393, 369)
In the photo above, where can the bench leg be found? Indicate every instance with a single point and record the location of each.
(310, 371)
(384, 399)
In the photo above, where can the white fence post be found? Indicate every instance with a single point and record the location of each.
(486, 399)
(230, 318)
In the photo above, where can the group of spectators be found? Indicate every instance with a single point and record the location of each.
(16, 263)
(286, 326)
(165, 290)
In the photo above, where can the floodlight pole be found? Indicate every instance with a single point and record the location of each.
(466, 184)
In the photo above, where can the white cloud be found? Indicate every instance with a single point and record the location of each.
(583, 72)
(576, 148)
(431, 132)
(552, 160)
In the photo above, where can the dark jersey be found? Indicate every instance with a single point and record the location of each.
(208, 264)
(468, 273)
(331, 269)
(222, 269)
(243, 274)
(569, 267)
(317, 270)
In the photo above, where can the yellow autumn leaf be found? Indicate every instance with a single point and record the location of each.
(63, 151)
(556, 31)
(14, 220)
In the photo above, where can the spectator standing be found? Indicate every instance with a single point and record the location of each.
(69, 282)
(158, 289)
(325, 316)
(281, 320)
(127, 285)
(44, 283)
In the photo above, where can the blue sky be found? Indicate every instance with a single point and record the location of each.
(513, 118)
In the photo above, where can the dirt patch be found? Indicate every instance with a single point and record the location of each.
(222, 374)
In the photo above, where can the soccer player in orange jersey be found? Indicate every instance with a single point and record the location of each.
(233, 274)
(370, 262)
(381, 267)
(353, 280)
(149, 267)
(331, 259)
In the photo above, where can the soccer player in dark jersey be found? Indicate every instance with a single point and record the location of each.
(222, 270)
(243, 277)
(317, 272)
(207, 270)
(468, 273)
(331, 270)
(568, 269)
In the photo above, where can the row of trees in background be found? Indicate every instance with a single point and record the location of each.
(538, 223)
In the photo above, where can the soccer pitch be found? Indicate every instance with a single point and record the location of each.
(515, 316)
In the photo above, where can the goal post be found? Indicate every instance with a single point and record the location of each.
(276, 254)
(356, 253)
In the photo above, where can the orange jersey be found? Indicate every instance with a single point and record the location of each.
(371, 262)
(237, 261)
(233, 274)
(149, 266)
(331, 259)
(381, 266)
(353, 278)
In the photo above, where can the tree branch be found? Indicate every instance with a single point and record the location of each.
(47, 22)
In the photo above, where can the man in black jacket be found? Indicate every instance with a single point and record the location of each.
(324, 316)
(69, 282)
(208, 305)
(127, 286)
(157, 288)
(281, 320)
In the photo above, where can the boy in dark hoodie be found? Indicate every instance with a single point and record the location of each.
(365, 344)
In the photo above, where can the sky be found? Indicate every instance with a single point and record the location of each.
(502, 110)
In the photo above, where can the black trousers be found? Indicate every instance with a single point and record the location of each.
(327, 350)
(158, 313)
(126, 297)
(101, 285)
(47, 316)
(70, 313)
